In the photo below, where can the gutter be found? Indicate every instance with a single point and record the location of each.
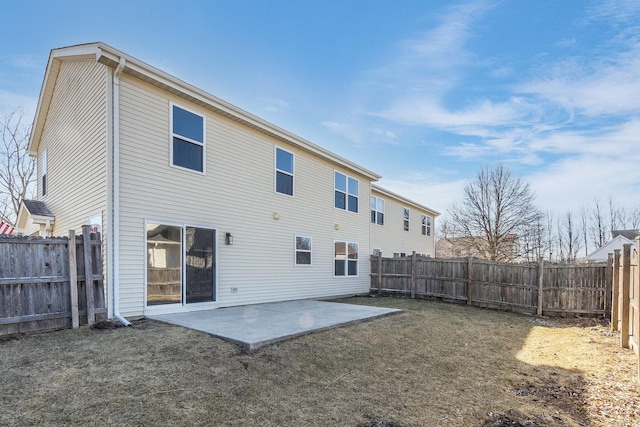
(116, 194)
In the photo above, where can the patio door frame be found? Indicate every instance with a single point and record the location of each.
(182, 305)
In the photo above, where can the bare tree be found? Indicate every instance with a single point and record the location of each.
(17, 169)
(496, 210)
(634, 218)
(584, 229)
(550, 240)
(568, 238)
(533, 241)
(598, 227)
(617, 216)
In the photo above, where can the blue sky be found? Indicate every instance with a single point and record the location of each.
(424, 93)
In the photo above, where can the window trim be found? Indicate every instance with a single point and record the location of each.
(276, 170)
(181, 306)
(426, 225)
(406, 216)
(296, 250)
(202, 144)
(377, 211)
(346, 192)
(346, 259)
(43, 169)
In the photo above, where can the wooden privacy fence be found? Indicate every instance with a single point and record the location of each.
(43, 284)
(542, 288)
(625, 311)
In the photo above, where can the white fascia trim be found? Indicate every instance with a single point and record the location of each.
(108, 55)
(385, 192)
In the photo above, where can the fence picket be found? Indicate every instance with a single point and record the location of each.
(37, 283)
(529, 288)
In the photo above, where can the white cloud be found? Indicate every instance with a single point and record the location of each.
(430, 62)
(501, 72)
(427, 111)
(359, 135)
(275, 105)
(613, 11)
(592, 86)
(346, 130)
(431, 190)
(574, 181)
(9, 101)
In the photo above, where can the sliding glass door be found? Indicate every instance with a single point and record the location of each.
(200, 264)
(180, 264)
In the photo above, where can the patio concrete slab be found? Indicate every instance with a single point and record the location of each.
(255, 326)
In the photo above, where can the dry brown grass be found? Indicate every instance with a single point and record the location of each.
(435, 364)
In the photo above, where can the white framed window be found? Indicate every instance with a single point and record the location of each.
(406, 219)
(187, 139)
(43, 166)
(426, 225)
(345, 192)
(303, 250)
(377, 210)
(345, 258)
(284, 171)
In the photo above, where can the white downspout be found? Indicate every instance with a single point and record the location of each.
(116, 194)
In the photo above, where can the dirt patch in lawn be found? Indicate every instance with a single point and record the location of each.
(435, 364)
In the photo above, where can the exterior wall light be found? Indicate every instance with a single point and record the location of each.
(228, 238)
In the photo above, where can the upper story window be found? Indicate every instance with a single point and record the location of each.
(284, 172)
(43, 167)
(426, 225)
(303, 250)
(187, 146)
(406, 219)
(377, 210)
(346, 192)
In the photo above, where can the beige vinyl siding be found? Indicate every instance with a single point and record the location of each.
(75, 137)
(391, 238)
(235, 195)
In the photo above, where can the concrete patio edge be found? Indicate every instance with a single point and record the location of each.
(257, 326)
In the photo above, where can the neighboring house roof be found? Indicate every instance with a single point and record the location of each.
(129, 65)
(602, 254)
(37, 208)
(629, 234)
(34, 217)
(385, 192)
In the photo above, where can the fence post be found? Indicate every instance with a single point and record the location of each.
(73, 280)
(469, 279)
(626, 270)
(540, 285)
(636, 297)
(88, 274)
(608, 298)
(413, 275)
(615, 292)
(380, 273)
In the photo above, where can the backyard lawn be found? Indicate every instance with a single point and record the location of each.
(435, 364)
